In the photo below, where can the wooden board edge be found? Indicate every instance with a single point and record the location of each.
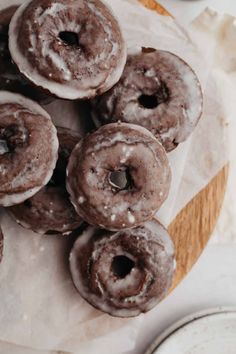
(195, 235)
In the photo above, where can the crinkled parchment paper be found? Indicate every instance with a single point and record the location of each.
(39, 306)
(216, 34)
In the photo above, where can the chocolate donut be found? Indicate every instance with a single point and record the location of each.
(28, 148)
(49, 211)
(10, 77)
(118, 176)
(158, 91)
(123, 273)
(1, 244)
(73, 49)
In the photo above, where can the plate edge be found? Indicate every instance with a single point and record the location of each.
(186, 320)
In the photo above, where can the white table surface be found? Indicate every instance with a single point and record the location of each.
(212, 280)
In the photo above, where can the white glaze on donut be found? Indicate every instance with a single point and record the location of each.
(118, 147)
(10, 77)
(26, 106)
(74, 84)
(49, 211)
(150, 249)
(172, 97)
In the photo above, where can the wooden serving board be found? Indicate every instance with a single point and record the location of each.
(193, 226)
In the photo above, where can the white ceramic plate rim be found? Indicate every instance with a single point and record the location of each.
(185, 321)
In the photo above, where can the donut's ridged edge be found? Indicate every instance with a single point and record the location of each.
(17, 198)
(84, 237)
(59, 90)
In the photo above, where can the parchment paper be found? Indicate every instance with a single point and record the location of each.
(39, 306)
(217, 34)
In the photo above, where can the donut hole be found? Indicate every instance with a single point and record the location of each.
(69, 38)
(121, 179)
(11, 137)
(122, 266)
(148, 101)
(161, 95)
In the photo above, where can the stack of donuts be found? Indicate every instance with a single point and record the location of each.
(113, 180)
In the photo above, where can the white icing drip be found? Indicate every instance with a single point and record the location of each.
(99, 284)
(131, 218)
(51, 11)
(91, 180)
(81, 200)
(113, 217)
(150, 73)
(143, 291)
(119, 137)
(126, 282)
(107, 28)
(119, 209)
(169, 133)
(57, 61)
(128, 151)
(33, 39)
(131, 109)
(195, 103)
(139, 205)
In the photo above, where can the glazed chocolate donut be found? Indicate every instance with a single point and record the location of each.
(73, 49)
(28, 148)
(1, 244)
(10, 77)
(126, 272)
(118, 177)
(158, 91)
(49, 211)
